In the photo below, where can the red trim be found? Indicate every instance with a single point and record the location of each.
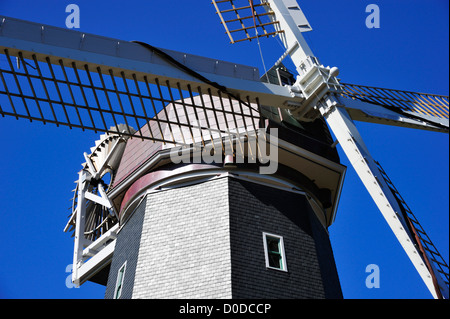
(152, 178)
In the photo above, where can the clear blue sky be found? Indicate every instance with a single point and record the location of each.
(410, 51)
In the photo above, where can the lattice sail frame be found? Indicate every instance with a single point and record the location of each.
(79, 96)
(78, 80)
(246, 20)
(416, 103)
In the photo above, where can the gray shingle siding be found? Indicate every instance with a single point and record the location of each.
(127, 249)
(205, 241)
(325, 256)
(185, 250)
(255, 209)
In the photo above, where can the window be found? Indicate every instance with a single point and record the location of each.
(274, 252)
(119, 281)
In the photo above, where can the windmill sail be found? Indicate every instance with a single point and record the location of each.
(242, 20)
(54, 89)
(433, 259)
(396, 107)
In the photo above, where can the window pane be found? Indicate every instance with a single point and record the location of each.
(275, 260)
(274, 255)
(119, 291)
(119, 281)
(273, 244)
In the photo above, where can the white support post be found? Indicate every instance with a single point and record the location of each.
(79, 226)
(102, 200)
(85, 260)
(289, 16)
(285, 12)
(353, 145)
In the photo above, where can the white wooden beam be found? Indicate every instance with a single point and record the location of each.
(359, 156)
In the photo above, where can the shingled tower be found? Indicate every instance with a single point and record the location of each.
(223, 229)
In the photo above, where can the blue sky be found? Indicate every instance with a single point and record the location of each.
(409, 51)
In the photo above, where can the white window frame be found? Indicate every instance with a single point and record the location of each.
(266, 252)
(120, 280)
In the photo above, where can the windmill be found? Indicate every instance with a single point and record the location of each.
(355, 92)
